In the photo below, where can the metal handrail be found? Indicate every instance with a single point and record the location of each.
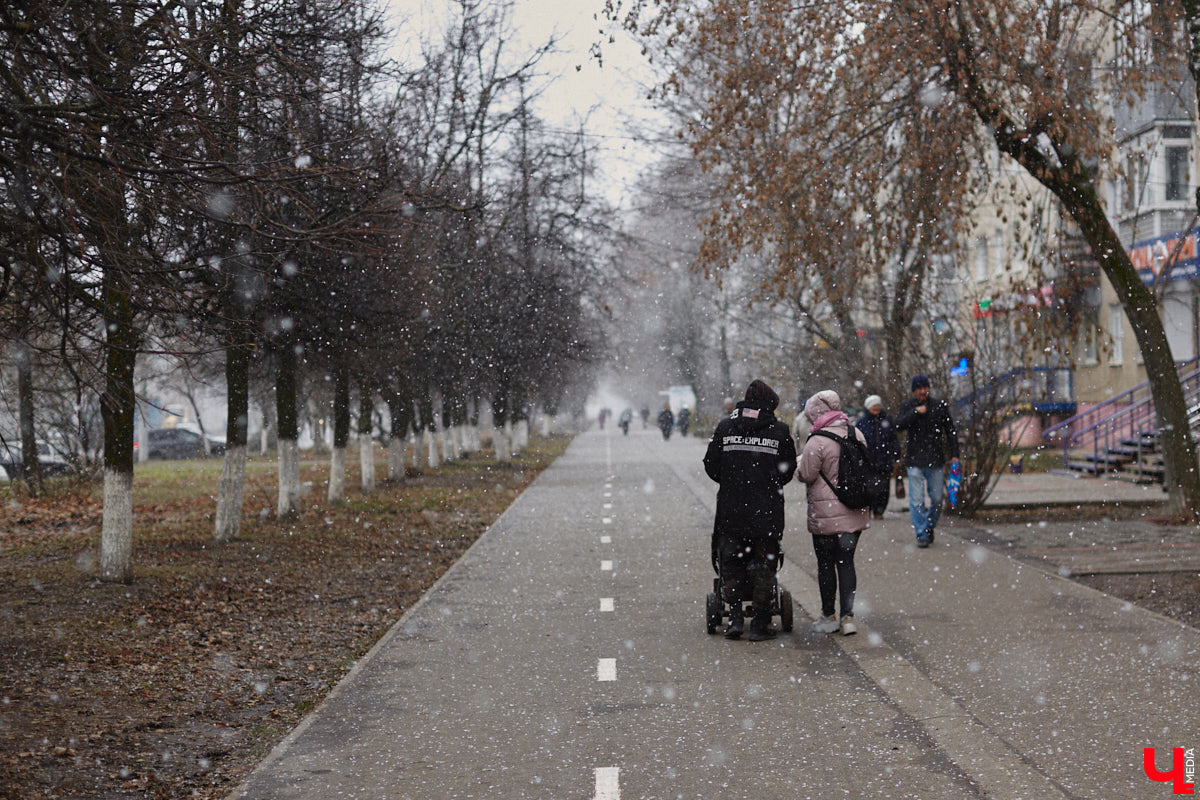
(1135, 418)
(1143, 387)
(1011, 380)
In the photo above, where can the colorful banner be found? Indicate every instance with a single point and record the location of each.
(1149, 256)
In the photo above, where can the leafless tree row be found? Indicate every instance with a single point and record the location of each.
(250, 189)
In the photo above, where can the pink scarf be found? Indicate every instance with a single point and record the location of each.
(828, 418)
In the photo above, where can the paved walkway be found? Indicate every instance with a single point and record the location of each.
(564, 656)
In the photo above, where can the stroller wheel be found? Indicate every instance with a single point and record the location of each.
(785, 610)
(713, 612)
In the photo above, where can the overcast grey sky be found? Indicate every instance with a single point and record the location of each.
(607, 96)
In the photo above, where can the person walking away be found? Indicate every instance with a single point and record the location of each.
(835, 528)
(882, 444)
(930, 436)
(666, 420)
(645, 416)
(685, 419)
(624, 420)
(751, 456)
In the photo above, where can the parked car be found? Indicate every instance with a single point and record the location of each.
(180, 443)
(53, 463)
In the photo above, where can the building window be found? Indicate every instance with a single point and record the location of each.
(981, 258)
(1116, 334)
(1089, 330)
(1178, 177)
(1135, 180)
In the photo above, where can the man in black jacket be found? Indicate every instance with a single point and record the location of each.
(931, 435)
(752, 456)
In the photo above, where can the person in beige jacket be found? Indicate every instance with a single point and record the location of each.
(834, 527)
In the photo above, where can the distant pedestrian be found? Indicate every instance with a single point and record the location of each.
(666, 421)
(685, 419)
(645, 416)
(835, 528)
(882, 444)
(752, 456)
(728, 406)
(931, 435)
(624, 420)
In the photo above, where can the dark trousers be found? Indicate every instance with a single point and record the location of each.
(835, 570)
(748, 570)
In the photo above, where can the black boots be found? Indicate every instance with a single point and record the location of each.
(760, 629)
(736, 622)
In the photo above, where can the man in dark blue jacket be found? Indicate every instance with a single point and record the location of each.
(752, 456)
(931, 435)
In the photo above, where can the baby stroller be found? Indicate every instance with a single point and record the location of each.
(716, 610)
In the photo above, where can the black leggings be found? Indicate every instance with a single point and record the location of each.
(835, 570)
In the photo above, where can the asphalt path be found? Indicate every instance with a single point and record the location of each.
(565, 656)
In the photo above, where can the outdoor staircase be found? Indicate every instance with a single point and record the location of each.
(1119, 437)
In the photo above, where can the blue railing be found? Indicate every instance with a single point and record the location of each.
(1049, 390)
(1125, 420)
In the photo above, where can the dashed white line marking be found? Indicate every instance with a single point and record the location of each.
(606, 520)
(605, 540)
(608, 505)
(608, 786)
(606, 604)
(606, 669)
(608, 486)
(608, 494)
(606, 566)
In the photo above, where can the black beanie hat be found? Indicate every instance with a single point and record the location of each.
(760, 395)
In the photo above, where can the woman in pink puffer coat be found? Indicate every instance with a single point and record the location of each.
(834, 527)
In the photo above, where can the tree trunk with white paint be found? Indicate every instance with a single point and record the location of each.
(396, 458)
(117, 409)
(399, 418)
(289, 478)
(431, 448)
(366, 444)
(287, 419)
(228, 518)
(341, 435)
(230, 493)
(337, 475)
(366, 462)
(502, 445)
(501, 441)
(116, 537)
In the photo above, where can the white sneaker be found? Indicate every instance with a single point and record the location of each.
(848, 627)
(825, 625)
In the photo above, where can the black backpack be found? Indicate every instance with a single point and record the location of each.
(859, 484)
